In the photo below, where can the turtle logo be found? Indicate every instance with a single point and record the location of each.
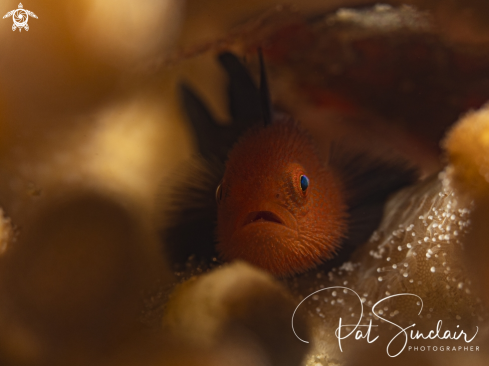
(20, 17)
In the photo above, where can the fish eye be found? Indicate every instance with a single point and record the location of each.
(304, 183)
(219, 193)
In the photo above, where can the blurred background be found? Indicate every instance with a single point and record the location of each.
(91, 129)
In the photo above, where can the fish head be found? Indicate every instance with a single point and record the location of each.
(279, 207)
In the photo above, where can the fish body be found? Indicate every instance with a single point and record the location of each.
(278, 203)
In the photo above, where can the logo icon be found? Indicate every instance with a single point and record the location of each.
(20, 17)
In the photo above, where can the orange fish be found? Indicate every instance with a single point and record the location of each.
(278, 205)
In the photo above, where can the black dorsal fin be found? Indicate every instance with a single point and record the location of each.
(244, 96)
(201, 119)
(266, 103)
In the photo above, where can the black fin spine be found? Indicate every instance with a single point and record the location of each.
(244, 96)
(266, 103)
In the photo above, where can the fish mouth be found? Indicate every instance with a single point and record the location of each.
(262, 216)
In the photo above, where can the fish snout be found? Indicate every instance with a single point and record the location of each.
(268, 214)
(262, 216)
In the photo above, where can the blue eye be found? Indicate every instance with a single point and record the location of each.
(304, 183)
